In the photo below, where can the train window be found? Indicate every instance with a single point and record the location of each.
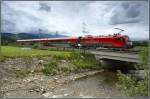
(120, 39)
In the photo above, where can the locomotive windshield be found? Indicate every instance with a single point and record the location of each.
(127, 37)
(121, 39)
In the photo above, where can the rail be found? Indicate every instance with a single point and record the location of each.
(127, 56)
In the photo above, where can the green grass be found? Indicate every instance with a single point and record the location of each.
(76, 60)
(51, 68)
(128, 84)
(143, 56)
(10, 51)
(82, 61)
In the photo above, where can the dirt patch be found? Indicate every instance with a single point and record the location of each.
(13, 67)
(37, 85)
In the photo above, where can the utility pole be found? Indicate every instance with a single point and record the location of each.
(84, 28)
(39, 36)
(0, 42)
(0, 31)
(39, 33)
(56, 33)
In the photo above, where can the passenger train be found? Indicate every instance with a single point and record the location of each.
(111, 41)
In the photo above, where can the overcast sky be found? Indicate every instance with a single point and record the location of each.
(67, 17)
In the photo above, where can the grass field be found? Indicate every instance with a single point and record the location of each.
(10, 51)
(74, 60)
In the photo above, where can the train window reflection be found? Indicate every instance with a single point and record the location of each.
(120, 39)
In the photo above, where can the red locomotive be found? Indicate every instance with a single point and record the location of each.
(110, 41)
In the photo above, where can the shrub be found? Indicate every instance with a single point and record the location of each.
(78, 61)
(129, 85)
(50, 69)
(84, 61)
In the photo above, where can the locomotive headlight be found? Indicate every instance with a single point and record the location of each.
(79, 45)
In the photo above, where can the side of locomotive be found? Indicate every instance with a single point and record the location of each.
(114, 41)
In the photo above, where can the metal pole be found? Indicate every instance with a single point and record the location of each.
(0, 28)
(39, 37)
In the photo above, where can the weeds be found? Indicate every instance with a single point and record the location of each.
(84, 61)
(78, 61)
(129, 85)
(51, 68)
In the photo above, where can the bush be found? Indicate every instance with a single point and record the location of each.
(50, 69)
(84, 61)
(78, 60)
(129, 85)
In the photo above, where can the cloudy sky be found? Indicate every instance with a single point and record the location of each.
(67, 17)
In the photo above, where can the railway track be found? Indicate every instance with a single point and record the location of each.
(130, 51)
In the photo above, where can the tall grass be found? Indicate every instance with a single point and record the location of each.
(129, 85)
(78, 61)
(51, 68)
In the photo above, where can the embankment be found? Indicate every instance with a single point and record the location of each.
(40, 74)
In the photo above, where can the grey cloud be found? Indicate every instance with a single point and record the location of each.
(130, 13)
(45, 7)
(10, 14)
(115, 19)
(125, 5)
(133, 11)
(7, 26)
(16, 20)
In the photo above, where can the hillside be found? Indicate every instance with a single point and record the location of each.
(11, 38)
